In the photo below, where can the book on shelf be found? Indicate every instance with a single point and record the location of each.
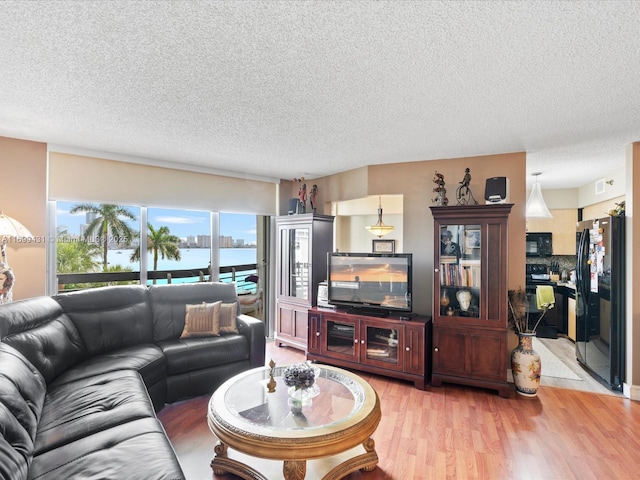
(448, 259)
(471, 275)
(461, 275)
(377, 352)
(450, 274)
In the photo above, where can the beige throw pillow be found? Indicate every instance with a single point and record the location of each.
(228, 312)
(201, 320)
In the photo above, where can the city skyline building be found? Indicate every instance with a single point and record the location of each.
(226, 241)
(204, 241)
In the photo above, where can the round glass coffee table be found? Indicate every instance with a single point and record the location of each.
(258, 430)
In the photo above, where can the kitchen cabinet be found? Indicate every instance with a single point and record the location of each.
(303, 242)
(470, 324)
(563, 314)
(555, 320)
(558, 314)
(562, 227)
(384, 346)
(571, 317)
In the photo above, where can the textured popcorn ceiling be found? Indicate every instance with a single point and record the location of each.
(289, 89)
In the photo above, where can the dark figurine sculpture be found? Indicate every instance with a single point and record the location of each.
(463, 193)
(441, 192)
(467, 178)
(302, 197)
(312, 197)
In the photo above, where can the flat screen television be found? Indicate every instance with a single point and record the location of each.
(372, 283)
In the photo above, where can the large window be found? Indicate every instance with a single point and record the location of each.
(238, 242)
(179, 244)
(88, 239)
(178, 240)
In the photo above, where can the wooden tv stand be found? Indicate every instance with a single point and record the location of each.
(384, 346)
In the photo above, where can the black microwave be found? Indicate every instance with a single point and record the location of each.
(539, 244)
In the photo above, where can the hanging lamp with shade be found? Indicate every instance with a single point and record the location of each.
(379, 229)
(536, 207)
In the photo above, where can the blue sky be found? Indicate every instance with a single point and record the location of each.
(180, 222)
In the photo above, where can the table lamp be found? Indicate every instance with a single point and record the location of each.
(9, 228)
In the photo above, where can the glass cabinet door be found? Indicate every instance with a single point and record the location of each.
(341, 338)
(296, 269)
(382, 344)
(460, 270)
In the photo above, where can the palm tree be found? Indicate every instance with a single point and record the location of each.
(75, 257)
(108, 223)
(162, 243)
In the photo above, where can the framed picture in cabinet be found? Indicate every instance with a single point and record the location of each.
(472, 242)
(384, 246)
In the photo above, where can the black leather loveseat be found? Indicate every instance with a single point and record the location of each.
(83, 374)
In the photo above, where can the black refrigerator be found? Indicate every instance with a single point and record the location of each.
(600, 298)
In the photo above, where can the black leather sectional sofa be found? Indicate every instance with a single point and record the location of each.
(83, 374)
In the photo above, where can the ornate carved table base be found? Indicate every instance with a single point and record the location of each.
(260, 438)
(331, 468)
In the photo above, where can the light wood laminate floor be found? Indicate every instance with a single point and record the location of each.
(458, 432)
(564, 349)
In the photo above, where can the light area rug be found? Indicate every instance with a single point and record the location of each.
(552, 366)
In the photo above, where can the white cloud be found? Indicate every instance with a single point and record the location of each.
(178, 220)
(62, 211)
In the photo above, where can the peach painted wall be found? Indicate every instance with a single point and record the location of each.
(23, 196)
(341, 186)
(414, 180)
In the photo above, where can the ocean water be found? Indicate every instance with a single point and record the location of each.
(191, 258)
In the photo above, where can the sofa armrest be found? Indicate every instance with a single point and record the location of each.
(253, 329)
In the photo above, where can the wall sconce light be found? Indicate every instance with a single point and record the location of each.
(536, 208)
(9, 228)
(379, 229)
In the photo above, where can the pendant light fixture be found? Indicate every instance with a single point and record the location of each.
(536, 208)
(379, 229)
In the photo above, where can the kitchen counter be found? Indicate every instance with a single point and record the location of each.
(560, 319)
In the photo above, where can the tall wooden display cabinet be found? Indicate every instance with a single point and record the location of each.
(303, 243)
(470, 324)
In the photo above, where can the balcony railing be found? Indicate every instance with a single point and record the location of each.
(234, 273)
